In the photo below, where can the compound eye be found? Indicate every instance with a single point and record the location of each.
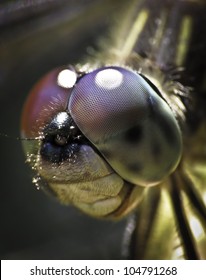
(48, 97)
(128, 122)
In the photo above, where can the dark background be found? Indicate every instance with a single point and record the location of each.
(35, 37)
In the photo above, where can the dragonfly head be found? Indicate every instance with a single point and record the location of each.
(128, 122)
(98, 135)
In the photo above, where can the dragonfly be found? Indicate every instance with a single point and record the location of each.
(158, 49)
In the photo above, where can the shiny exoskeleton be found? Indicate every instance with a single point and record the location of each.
(126, 131)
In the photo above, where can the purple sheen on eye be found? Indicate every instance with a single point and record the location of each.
(107, 100)
(44, 101)
(129, 123)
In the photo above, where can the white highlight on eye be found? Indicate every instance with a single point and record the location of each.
(109, 78)
(67, 78)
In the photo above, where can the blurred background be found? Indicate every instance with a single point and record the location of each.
(35, 37)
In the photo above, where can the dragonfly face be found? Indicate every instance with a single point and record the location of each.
(107, 127)
(90, 150)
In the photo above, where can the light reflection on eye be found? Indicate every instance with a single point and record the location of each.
(66, 78)
(109, 78)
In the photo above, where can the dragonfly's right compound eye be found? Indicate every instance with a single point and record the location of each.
(128, 122)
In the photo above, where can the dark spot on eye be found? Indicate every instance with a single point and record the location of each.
(135, 167)
(134, 135)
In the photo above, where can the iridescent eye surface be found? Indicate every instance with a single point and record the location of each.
(128, 122)
(48, 97)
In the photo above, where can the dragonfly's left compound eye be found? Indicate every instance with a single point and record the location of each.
(128, 122)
